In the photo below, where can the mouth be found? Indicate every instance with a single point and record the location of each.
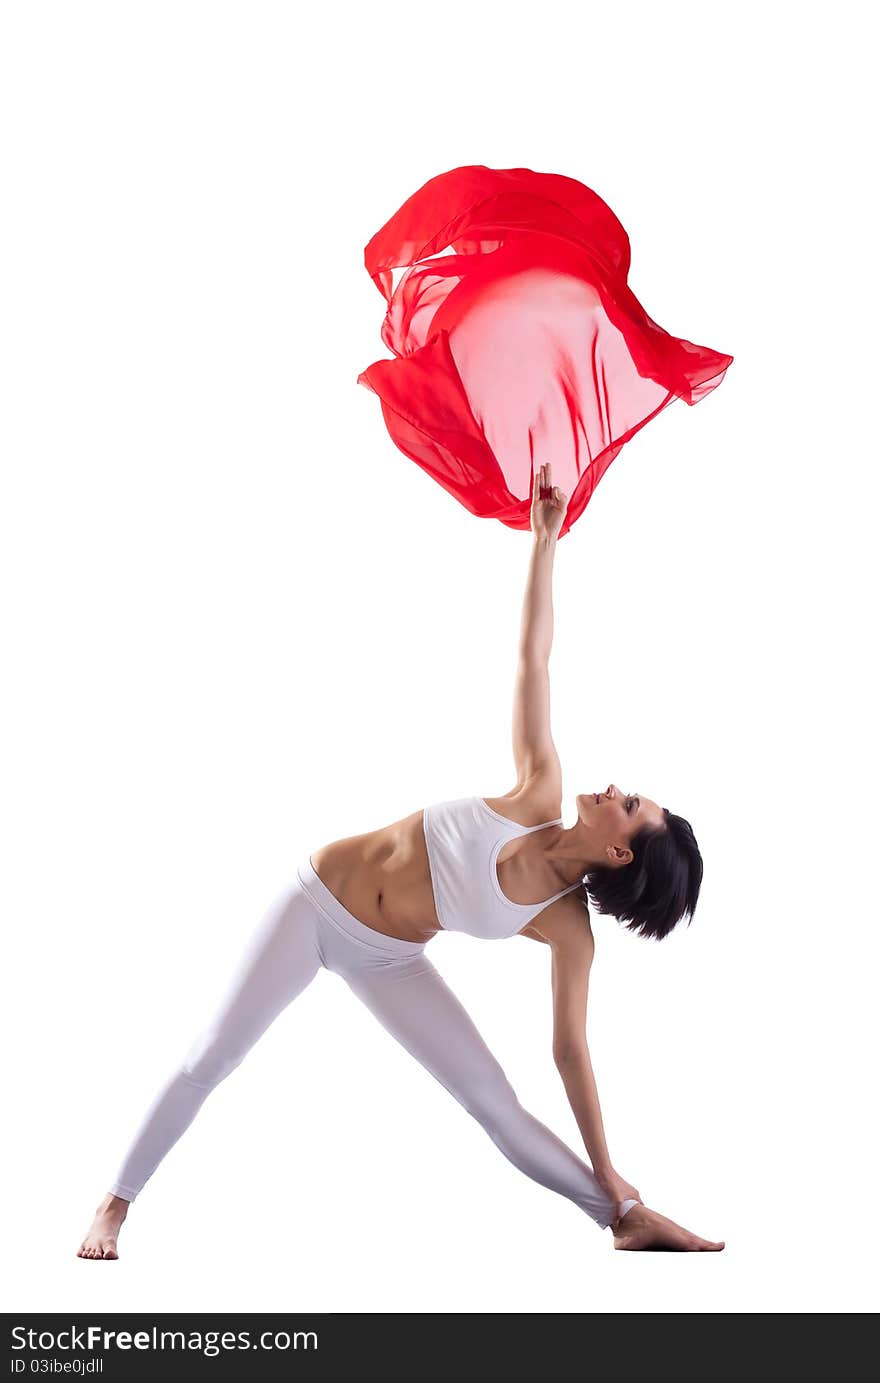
(596, 795)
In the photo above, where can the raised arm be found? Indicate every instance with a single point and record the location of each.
(534, 752)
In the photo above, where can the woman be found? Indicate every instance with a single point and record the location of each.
(366, 906)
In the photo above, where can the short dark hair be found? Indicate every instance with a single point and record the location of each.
(659, 886)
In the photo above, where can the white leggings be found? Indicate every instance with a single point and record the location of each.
(307, 927)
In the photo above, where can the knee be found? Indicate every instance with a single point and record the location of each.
(491, 1099)
(209, 1061)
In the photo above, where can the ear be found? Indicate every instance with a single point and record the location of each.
(618, 855)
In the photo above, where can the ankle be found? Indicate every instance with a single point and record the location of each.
(113, 1205)
(630, 1218)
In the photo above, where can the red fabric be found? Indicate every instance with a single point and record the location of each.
(524, 345)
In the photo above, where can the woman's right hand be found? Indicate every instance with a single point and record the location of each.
(617, 1189)
(548, 512)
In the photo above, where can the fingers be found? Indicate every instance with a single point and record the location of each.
(543, 489)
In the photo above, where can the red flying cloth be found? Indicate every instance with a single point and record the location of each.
(524, 345)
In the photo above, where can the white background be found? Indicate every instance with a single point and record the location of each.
(238, 623)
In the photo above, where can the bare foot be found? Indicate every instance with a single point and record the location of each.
(100, 1242)
(642, 1228)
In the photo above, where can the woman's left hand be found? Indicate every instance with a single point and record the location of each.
(548, 512)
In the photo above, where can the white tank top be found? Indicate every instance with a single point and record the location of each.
(464, 839)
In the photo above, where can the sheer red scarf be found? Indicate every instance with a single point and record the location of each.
(524, 345)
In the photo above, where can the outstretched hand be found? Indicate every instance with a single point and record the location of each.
(617, 1189)
(549, 504)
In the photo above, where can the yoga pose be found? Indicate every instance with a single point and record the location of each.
(366, 907)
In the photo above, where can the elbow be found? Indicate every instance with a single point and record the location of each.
(569, 1053)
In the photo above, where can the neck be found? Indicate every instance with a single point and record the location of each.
(567, 850)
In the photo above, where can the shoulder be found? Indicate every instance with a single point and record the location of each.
(565, 926)
(533, 801)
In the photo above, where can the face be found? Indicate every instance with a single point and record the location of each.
(613, 817)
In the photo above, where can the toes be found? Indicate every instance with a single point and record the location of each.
(110, 1251)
